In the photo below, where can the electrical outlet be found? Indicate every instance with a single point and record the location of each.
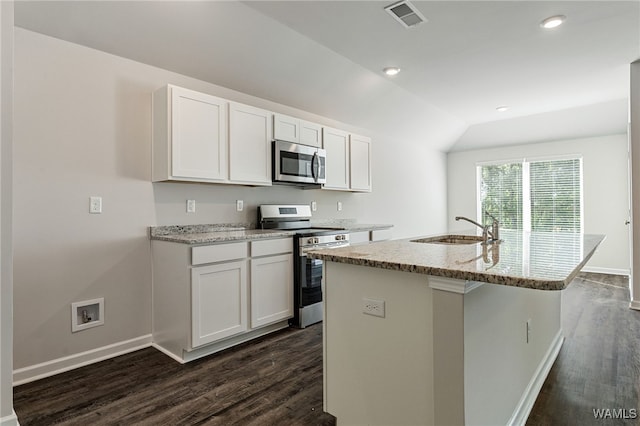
(528, 330)
(239, 205)
(95, 205)
(191, 206)
(314, 206)
(339, 206)
(373, 307)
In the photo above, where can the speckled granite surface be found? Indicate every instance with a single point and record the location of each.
(349, 225)
(219, 233)
(155, 231)
(544, 261)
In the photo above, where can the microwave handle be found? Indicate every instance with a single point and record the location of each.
(315, 165)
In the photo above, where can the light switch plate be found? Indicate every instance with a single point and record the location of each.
(314, 206)
(239, 205)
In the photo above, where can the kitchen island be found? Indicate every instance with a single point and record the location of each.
(422, 332)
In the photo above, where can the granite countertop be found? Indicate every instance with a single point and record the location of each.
(350, 225)
(224, 232)
(544, 261)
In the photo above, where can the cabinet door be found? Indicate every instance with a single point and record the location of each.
(249, 145)
(336, 143)
(286, 128)
(360, 163)
(271, 289)
(310, 133)
(218, 302)
(198, 135)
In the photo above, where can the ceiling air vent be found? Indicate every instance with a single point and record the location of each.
(405, 13)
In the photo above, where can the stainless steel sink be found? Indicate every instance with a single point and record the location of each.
(450, 239)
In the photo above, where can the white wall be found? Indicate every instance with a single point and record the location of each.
(83, 128)
(605, 190)
(7, 415)
(634, 125)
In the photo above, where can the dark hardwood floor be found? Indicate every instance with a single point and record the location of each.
(277, 380)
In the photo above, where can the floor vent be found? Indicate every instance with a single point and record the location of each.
(405, 13)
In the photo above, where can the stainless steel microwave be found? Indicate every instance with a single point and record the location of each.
(298, 164)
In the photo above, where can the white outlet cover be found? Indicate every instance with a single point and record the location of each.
(373, 307)
(239, 205)
(95, 205)
(314, 206)
(191, 206)
(339, 206)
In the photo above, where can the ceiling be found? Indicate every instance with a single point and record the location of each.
(326, 57)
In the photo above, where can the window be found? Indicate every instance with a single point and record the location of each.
(533, 195)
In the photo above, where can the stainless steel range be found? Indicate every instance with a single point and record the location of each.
(307, 272)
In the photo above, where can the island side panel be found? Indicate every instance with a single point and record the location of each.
(499, 364)
(378, 371)
(448, 357)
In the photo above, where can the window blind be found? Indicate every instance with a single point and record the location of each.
(544, 196)
(556, 203)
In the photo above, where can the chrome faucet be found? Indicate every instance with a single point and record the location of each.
(485, 228)
(495, 225)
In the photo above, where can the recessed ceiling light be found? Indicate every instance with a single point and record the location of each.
(391, 70)
(553, 21)
(502, 108)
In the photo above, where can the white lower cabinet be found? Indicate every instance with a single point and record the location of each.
(209, 298)
(271, 289)
(218, 302)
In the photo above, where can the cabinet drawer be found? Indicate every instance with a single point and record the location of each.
(218, 253)
(269, 247)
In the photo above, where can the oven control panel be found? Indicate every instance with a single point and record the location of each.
(324, 240)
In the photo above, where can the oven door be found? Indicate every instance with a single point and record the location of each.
(308, 286)
(309, 272)
(298, 163)
(310, 281)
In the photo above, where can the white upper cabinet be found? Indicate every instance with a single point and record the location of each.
(189, 136)
(203, 138)
(310, 133)
(336, 143)
(286, 128)
(249, 145)
(360, 163)
(292, 129)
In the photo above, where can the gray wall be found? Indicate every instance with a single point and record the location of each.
(83, 128)
(605, 190)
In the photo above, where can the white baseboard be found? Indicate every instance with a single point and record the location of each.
(11, 420)
(523, 409)
(635, 304)
(60, 365)
(168, 353)
(609, 271)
